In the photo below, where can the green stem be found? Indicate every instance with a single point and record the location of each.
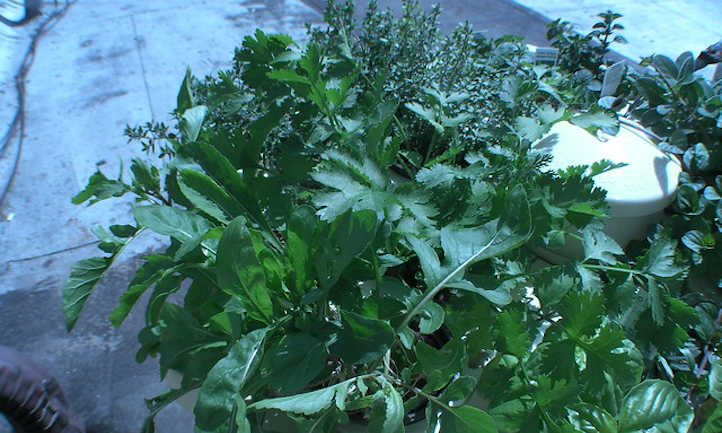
(613, 269)
(431, 293)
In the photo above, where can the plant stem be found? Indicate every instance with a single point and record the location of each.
(613, 268)
(431, 293)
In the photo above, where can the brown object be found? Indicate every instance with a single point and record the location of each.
(31, 398)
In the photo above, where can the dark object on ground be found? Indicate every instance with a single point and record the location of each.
(31, 398)
(32, 9)
(713, 54)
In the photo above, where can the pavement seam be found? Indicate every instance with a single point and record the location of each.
(142, 66)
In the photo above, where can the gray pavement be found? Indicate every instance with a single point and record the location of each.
(109, 63)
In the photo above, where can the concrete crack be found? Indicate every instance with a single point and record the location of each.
(138, 48)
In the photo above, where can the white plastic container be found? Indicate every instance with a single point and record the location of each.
(637, 193)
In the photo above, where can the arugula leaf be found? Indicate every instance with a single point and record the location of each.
(226, 380)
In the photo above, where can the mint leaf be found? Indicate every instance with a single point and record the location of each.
(654, 404)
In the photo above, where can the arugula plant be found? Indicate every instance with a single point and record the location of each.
(371, 226)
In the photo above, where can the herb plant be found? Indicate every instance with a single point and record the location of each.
(370, 225)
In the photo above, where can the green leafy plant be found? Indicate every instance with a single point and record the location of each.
(371, 225)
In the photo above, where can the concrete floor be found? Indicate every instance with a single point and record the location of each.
(108, 63)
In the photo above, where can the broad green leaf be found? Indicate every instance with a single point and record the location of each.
(208, 196)
(463, 419)
(458, 391)
(362, 339)
(300, 241)
(598, 245)
(307, 403)
(226, 379)
(715, 378)
(341, 241)
(660, 259)
(180, 224)
(432, 317)
(528, 128)
(242, 425)
(185, 98)
(191, 122)
(100, 187)
(440, 365)
(218, 167)
(154, 268)
(612, 78)
(388, 415)
(666, 66)
(287, 75)
(593, 121)
(588, 418)
(301, 354)
(84, 275)
(714, 421)
(654, 404)
(240, 273)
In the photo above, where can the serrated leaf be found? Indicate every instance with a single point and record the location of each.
(654, 404)
(594, 121)
(528, 128)
(660, 259)
(307, 403)
(656, 301)
(84, 275)
(427, 114)
(240, 272)
(226, 379)
(191, 122)
(287, 75)
(599, 246)
(100, 187)
(512, 333)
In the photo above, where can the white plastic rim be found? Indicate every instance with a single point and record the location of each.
(644, 187)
